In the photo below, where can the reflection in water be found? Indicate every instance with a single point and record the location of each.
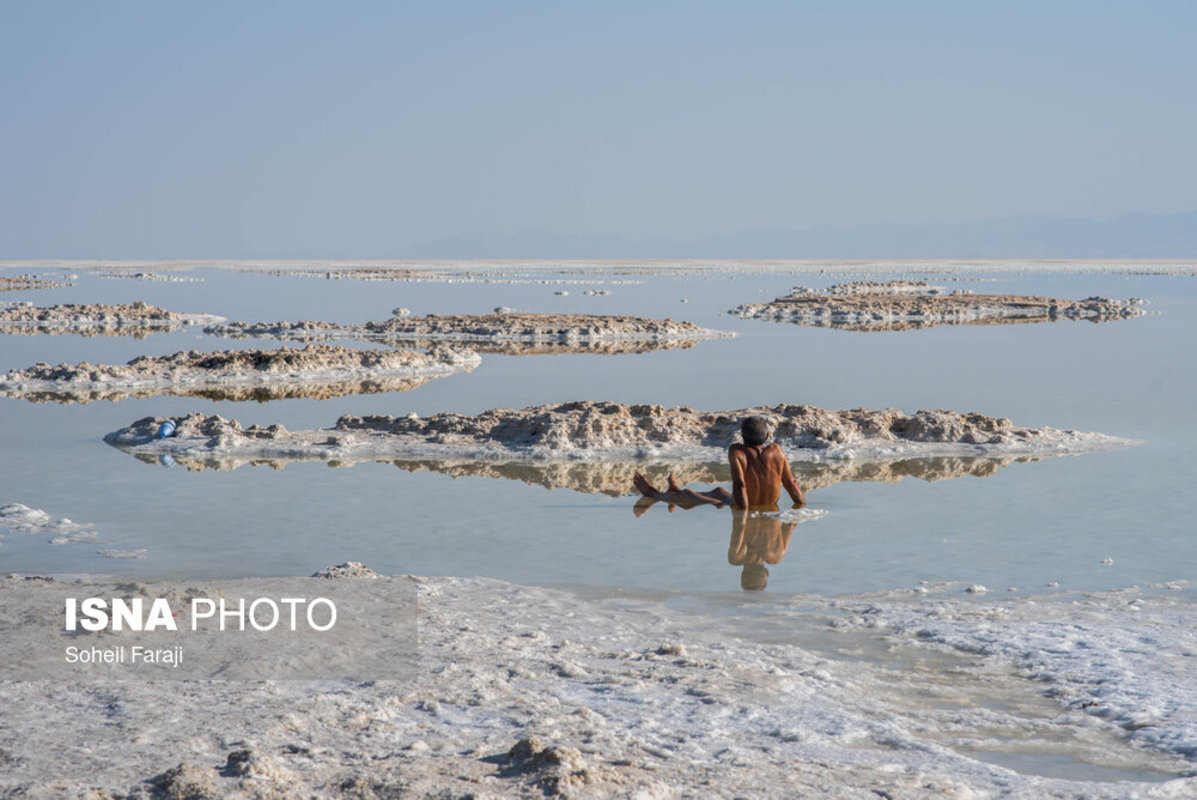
(260, 392)
(614, 478)
(758, 538)
(609, 348)
(135, 330)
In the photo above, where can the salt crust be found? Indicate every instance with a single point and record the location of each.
(536, 692)
(602, 431)
(506, 332)
(903, 305)
(97, 319)
(284, 367)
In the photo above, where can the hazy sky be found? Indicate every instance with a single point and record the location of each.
(355, 128)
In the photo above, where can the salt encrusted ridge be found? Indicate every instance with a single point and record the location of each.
(614, 431)
(190, 369)
(91, 319)
(493, 328)
(900, 305)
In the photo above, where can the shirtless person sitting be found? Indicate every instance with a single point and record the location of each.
(759, 472)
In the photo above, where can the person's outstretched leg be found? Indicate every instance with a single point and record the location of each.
(686, 498)
(718, 495)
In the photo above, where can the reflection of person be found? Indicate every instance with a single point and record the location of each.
(759, 472)
(757, 540)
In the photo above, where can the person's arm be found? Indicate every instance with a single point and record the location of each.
(739, 490)
(789, 484)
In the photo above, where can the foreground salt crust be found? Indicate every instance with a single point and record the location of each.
(612, 431)
(184, 372)
(902, 305)
(1122, 656)
(97, 319)
(527, 692)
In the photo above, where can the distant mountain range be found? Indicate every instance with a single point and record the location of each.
(1035, 236)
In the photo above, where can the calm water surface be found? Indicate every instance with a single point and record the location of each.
(1026, 525)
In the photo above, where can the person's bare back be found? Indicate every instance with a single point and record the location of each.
(759, 472)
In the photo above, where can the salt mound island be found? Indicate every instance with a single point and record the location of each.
(606, 431)
(21, 283)
(508, 333)
(315, 370)
(97, 319)
(905, 305)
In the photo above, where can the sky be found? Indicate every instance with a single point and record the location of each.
(355, 129)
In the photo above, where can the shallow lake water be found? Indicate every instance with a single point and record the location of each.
(1092, 522)
(1025, 525)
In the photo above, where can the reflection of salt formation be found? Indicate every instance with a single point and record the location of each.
(306, 390)
(612, 432)
(97, 319)
(507, 333)
(315, 371)
(903, 305)
(584, 346)
(614, 478)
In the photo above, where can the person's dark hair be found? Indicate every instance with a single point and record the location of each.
(754, 577)
(754, 430)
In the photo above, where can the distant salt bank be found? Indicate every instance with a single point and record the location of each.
(21, 283)
(511, 333)
(612, 431)
(904, 305)
(316, 370)
(97, 319)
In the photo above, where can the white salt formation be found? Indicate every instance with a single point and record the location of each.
(233, 371)
(582, 332)
(98, 319)
(21, 283)
(613, 431)
(902, 305)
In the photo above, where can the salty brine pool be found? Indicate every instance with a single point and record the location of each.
(1024, 526)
